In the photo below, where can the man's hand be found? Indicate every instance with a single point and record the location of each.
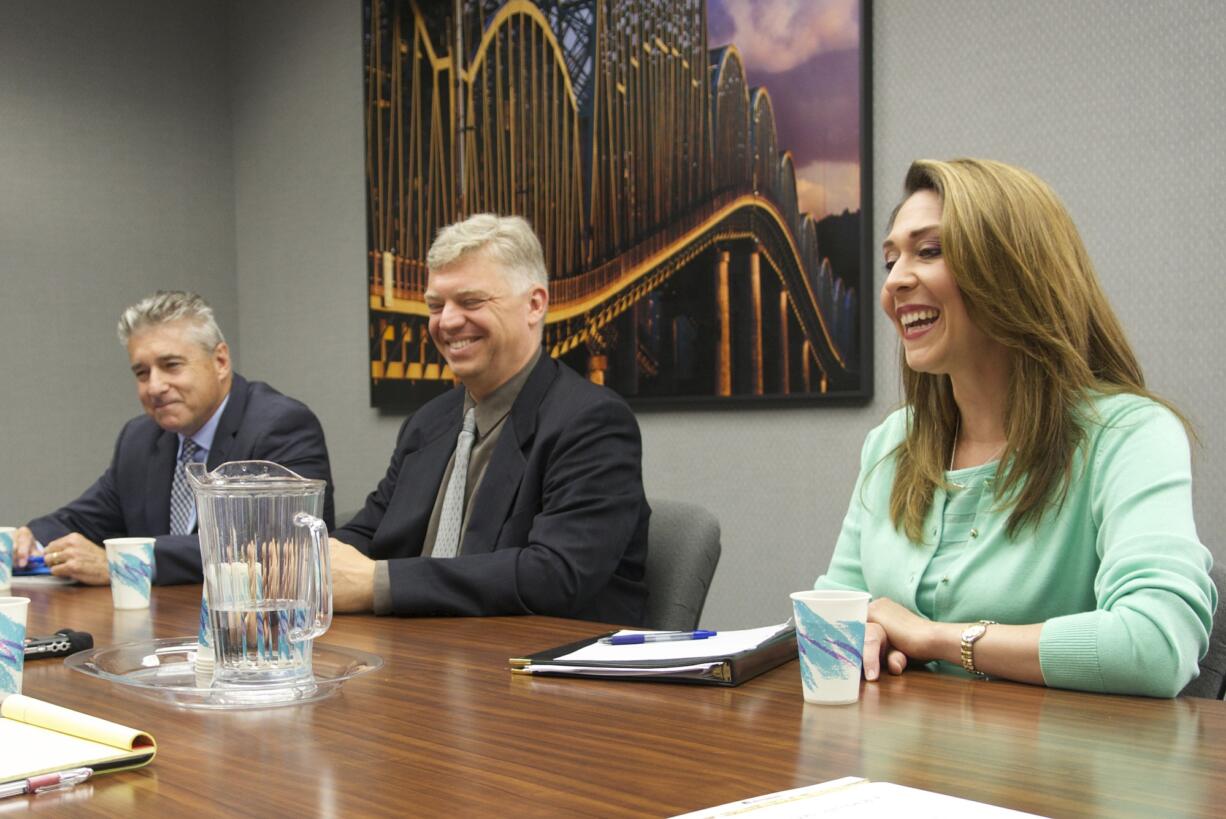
(353, 579)
(24, 545)
(79, 558)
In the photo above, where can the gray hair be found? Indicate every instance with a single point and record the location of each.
(506, 240)
(166, 306)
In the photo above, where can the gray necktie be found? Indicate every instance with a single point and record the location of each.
(181, 499)
(451, 519)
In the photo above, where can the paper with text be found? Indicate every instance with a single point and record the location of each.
(853, 796)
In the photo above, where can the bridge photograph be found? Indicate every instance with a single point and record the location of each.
(698, 183)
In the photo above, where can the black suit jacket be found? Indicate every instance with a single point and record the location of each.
(132, 498)
(558, 525)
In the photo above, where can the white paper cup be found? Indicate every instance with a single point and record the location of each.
(8, 539)
(131, 563)
(830, 634)
(13, 612)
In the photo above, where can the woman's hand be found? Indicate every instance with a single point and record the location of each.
(877, 651)
(893, 636)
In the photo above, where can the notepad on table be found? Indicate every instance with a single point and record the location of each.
(37, 737)
(728, 658)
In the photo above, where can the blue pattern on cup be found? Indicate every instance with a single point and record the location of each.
(203, 638)
(6, 559)
(134, 572)
(12, 652)
(831, 650)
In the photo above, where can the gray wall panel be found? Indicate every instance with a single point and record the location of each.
(115, 180)
(299, 152)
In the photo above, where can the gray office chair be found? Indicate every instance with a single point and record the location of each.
(682, 553)
(1212, 680)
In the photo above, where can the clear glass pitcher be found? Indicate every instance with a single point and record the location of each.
(267, 570)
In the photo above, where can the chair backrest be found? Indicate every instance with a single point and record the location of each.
(682, 553)
(1212, 680)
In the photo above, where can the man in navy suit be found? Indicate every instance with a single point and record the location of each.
(521, 491)
(196, 408)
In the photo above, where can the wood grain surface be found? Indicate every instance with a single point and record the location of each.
(444, 729)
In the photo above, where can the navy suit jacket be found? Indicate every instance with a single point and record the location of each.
(558, 525)
(132, 498)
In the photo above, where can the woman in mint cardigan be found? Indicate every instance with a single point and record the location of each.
(1027, 514)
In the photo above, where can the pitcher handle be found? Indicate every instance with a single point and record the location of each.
(320, 597)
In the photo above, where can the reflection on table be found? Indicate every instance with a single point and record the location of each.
(444, 728)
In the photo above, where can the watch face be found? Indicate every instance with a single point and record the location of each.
(974, 632)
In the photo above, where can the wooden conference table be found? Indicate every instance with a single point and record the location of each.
(444, 729)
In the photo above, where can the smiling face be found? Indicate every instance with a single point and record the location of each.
(180, 383)
(483, 321)
(922, 298)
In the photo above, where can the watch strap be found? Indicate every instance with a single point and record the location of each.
(968, 648)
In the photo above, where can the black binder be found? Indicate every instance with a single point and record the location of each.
(727, 669)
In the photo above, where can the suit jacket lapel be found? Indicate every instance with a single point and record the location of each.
(419, 476)
(228, 424)
(423, 471)
(492, 503)
(157, 488)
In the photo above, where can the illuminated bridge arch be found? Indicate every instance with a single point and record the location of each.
(812, 305)
(763, 141)
(783, 191)
(408, 103)
(649, 152)
(730, 129)
(583, 306)
(521, 138)
(807, 237)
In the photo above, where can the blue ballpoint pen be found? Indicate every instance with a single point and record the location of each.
(658, 637)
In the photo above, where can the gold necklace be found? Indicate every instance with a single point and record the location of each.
(953, 452)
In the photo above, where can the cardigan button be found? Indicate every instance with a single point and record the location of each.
(974, 533)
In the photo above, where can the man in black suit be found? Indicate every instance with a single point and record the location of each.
(196, 408)
(520, 492)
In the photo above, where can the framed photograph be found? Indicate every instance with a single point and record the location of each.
(698, 172)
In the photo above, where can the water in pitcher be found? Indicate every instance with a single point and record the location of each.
(254, 642)
(267, 571)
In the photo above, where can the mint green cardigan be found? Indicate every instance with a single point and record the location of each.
(1116, 575)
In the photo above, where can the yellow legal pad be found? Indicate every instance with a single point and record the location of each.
(37, 737)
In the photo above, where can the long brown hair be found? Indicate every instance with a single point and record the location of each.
(1027, 283)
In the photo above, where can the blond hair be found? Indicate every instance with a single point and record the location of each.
(506, 240)
(1027, 283)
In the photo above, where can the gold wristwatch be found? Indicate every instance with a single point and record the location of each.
(970, 635)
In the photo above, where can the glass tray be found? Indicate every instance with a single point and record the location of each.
(165, 670)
